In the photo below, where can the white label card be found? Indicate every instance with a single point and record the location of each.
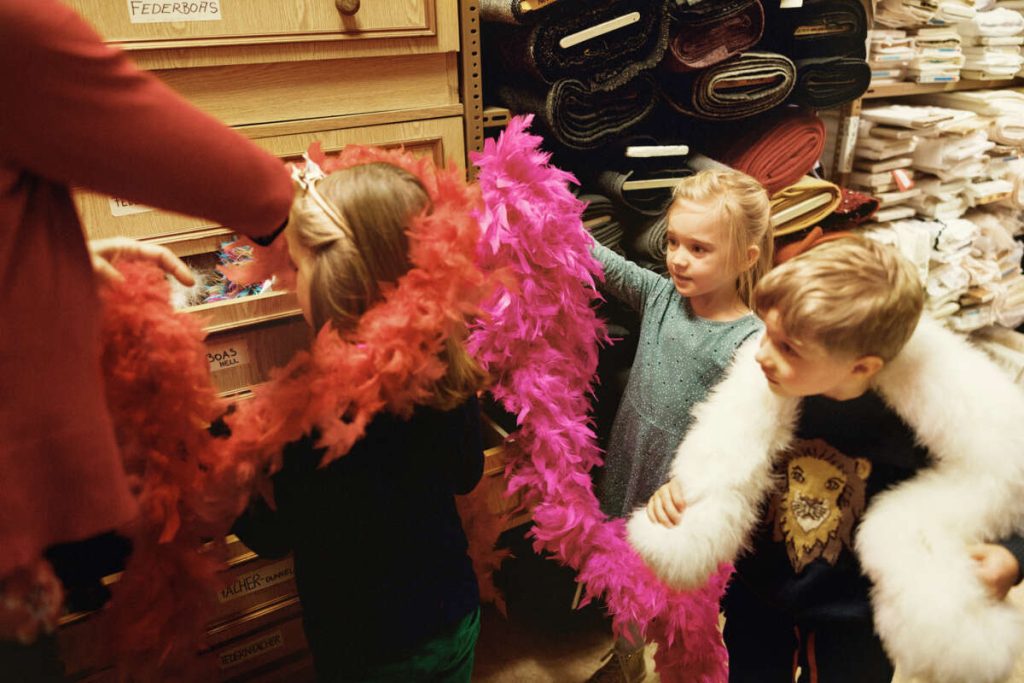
(123, 207)
(227, 354)
(257, 580)
(254, 648)
(592, 32)
(156, 12)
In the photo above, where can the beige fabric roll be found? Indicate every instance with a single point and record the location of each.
(802, 205)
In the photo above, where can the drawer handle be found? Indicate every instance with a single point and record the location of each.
(348, 7)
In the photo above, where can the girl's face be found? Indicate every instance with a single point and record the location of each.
(302, 262)
(698, 257)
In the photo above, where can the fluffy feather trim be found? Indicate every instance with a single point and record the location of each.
(722, 465)
(931, 611)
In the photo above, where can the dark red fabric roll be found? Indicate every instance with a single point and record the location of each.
(777, 150)
(710, 32)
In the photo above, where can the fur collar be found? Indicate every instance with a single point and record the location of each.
(932, 614)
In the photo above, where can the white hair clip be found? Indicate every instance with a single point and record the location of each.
(307, 177)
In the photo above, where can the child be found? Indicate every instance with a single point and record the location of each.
(719, 245)
(387, 589)
(904, 456)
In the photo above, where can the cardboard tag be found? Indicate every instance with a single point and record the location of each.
(254, 648)
(601, 29)
(227, 354)
(902, 179)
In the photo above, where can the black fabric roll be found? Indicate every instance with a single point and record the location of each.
(710, 32)
(745, 85)
(819, 28)
(649, 246)
(601, 220)
(830, 81)
(647, 202)
(603, 62)
(583, 118)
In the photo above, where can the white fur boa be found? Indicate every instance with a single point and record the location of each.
(933, 615)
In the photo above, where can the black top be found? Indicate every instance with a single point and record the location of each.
(380, 554)
(843, 454)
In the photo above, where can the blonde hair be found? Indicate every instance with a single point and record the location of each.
(744, 207)
(363, 249)
(851, 295)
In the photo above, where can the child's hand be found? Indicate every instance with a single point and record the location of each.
(666, 505)
(996, 567)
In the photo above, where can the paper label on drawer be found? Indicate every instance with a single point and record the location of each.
(149, 12)
(123, 207)
(257, 580)
(227, 354)
(254, 648)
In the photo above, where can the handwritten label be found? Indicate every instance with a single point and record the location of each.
(257, 580)
(123, 207)
(148, 12)
(254, 648)
(227, 354)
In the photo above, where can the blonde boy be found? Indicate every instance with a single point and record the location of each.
(863, 456)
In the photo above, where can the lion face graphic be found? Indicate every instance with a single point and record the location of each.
(823, 497)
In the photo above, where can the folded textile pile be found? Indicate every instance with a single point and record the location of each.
(603, 44)
(938, 56)
(777, 149)
(740, 87)
(827, 82)
(581, 117)
(802, 205)
(711, 32)
(602, 221)
(639, 174)
(817, 28)
(889, 55)
(992, 43)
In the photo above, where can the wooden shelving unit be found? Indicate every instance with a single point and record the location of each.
(904, 89)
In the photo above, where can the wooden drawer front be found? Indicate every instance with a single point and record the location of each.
(240, 359)
(253, 584)
(257, 640)
(103, 217)
(493, 480)
(255, 21)
(247, 94)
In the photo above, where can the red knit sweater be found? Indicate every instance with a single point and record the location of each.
(76, 111)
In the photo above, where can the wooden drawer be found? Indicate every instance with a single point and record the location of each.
(255, 21)
(441, 138)
(241, 358)
(253, 584)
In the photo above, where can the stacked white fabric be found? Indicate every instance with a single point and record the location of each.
(991, 44)
(889, 54)
(938, 55)
(910, 13)
(881, 167)
(1003, 110)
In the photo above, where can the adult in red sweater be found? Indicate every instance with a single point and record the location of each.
(77, 112)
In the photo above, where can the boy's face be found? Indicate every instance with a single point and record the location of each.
(798, 368)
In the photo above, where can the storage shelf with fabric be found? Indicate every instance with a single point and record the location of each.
(936, 139)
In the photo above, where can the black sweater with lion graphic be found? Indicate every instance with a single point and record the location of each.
(844, 453)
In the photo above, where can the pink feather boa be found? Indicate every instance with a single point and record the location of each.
(538, 335)
(540, 339)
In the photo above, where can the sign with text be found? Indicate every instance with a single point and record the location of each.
(254, 648)
(149, 12)
(123, 207)
(227, 354)
(257, 580)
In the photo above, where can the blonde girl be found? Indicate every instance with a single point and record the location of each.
(387, 589)
(719, 245)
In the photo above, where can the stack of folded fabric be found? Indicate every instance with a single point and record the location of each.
(639, 174)
(583, 68)
(938, 56)
(889, 55)
(802, 205)
(602, 221)
(707, 33)
(777, 149)
(740, 87)
(882, 159)
(992, 43)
